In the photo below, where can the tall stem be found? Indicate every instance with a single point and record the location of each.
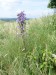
(22, 29)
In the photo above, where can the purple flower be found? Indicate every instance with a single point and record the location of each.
(21, 18)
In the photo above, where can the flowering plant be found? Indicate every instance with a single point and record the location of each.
(21, 20)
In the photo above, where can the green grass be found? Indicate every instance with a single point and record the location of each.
(40, 43)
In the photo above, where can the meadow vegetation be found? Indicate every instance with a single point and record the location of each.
(40, 43)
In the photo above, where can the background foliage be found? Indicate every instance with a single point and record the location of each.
(40, 43)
